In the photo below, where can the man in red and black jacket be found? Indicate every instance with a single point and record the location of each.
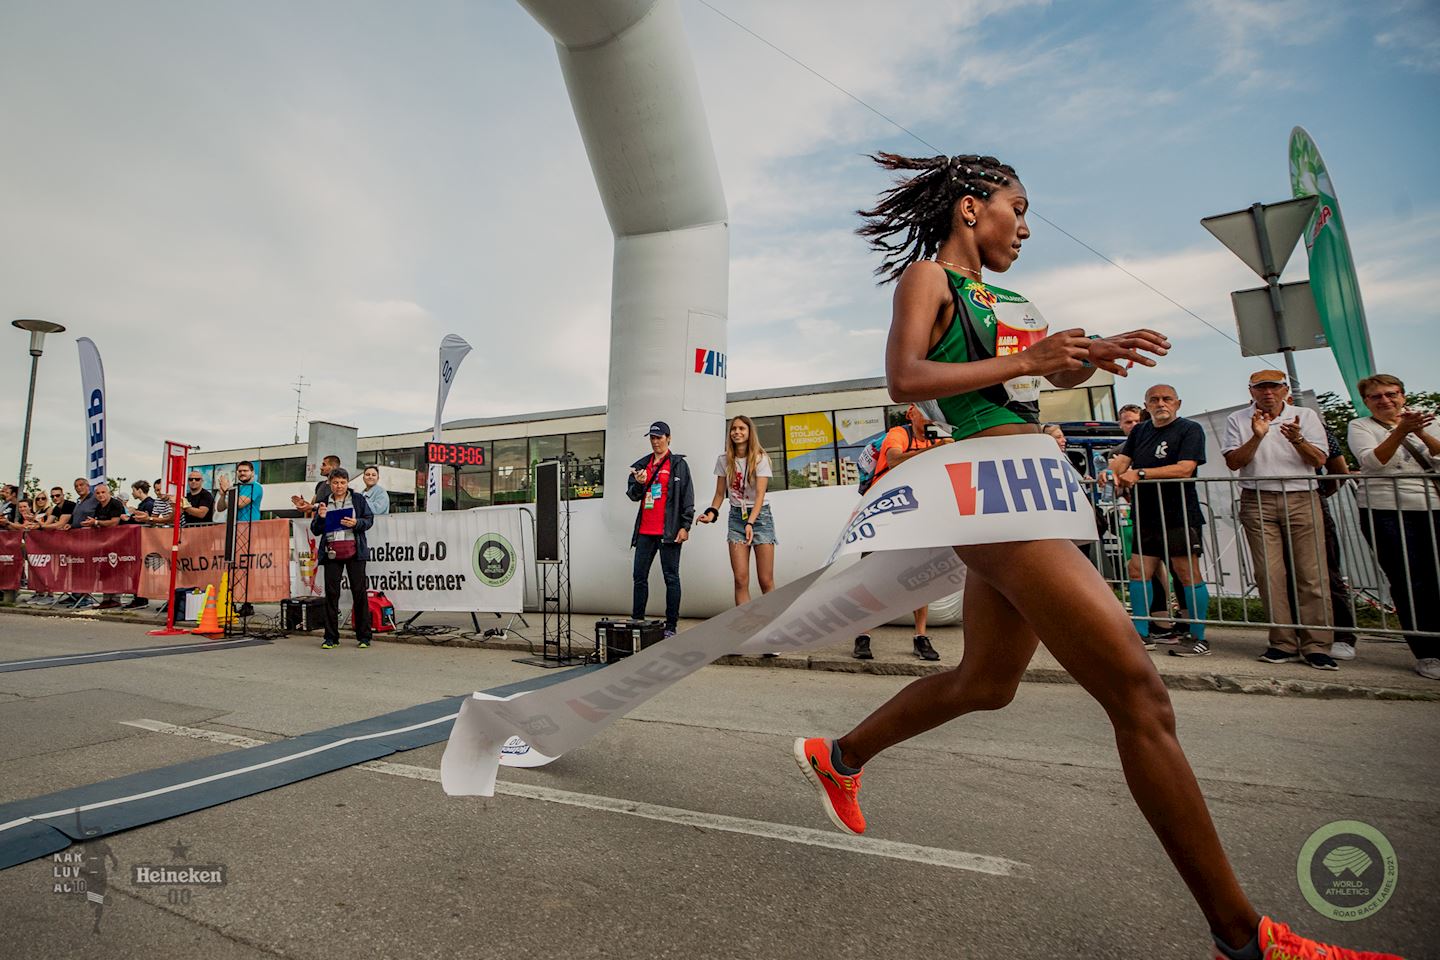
(661, 484)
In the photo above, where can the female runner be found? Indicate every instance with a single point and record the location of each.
(938, 229)
(743, 473)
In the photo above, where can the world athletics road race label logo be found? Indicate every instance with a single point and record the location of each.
(494, 560)
(1347, 870)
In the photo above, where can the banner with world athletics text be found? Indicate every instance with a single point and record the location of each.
(202, 560)
(990, 490)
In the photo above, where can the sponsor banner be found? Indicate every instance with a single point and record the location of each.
(12, 559)
(989, 490)
(856, 427)
(92, 381)
(459, 560)
(202, 560)
(92, 560)
(453, 349)
(1333, 279)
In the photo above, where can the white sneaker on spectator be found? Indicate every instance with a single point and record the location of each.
(1341, 650)
(1429, 668)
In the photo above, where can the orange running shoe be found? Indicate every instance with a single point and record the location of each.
(838, 791)
(1279, 942)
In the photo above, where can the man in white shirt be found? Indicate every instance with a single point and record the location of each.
(1267, 440)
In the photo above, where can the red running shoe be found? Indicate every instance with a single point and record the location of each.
(838, 791)
(1279, 942)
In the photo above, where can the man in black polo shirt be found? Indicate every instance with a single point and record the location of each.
(1165, 518)
(198, 503)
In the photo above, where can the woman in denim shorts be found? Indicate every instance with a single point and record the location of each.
(742, 473)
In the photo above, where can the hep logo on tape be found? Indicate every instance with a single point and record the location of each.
(984, 487)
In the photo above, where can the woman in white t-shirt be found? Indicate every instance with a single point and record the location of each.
(1400, 507)
(742, 473)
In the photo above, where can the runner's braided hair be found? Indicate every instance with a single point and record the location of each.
(914, 217)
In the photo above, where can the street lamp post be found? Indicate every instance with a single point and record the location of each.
(37, 330)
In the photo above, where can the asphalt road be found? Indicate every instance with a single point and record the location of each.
(685, 829)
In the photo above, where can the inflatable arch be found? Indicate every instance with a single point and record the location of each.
(636, 98)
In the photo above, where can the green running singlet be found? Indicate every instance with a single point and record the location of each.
(972, 336)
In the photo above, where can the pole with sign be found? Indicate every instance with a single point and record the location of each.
(172, 474)
(1263, 236)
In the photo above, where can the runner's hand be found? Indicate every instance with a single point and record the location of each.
(1104, 351)
(1066, 350)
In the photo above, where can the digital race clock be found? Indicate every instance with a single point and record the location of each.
(455, 454)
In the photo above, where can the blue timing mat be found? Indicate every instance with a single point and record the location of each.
(44, 825)
(137, 653)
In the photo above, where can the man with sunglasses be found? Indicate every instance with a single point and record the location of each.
(198, 503)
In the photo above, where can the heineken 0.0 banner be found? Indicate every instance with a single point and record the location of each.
(1332, 269)
(460, 560)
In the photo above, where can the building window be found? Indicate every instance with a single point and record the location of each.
(1102, 403)
(472, 486)
(285, 470)
(855, 429)
(1058, 406)
(587, 451)
(810, 450)
(771, 431)
(512, 471)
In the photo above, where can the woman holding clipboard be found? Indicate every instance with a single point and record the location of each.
(340, 522)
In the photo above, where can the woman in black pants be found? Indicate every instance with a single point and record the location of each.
(1400, 507)
(342, 553)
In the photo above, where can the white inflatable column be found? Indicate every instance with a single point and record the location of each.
(636, 98)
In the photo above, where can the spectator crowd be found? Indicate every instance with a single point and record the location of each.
(146, 504)
(1286, 465)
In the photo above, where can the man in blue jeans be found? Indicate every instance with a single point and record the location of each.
(660, 482)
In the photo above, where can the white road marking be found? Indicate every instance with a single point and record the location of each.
(871, 846)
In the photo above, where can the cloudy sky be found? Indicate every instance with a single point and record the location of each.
(227, 196)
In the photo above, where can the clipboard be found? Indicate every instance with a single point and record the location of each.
(333, 518)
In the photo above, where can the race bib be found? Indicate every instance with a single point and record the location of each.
(1019, 326)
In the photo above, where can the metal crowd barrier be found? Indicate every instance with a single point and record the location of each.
(1360, 600)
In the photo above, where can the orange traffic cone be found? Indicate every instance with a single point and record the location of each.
(209, 622)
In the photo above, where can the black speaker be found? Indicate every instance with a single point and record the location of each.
(623, 638)
(303, 613)
(547, 511)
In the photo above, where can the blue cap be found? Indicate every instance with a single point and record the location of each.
(658, 429)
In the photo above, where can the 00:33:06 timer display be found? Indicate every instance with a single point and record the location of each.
(454, 454)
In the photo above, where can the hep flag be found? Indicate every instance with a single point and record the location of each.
(92, 382)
